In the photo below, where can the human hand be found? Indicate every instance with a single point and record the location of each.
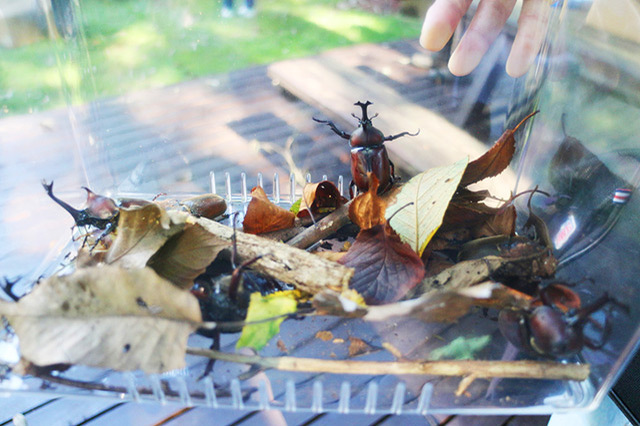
(491, 15)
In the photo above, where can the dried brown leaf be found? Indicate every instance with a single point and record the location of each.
(320, 198)
(324, 335)
(494, 161)
(385, 267)
(186, 255)
(106, 317)
(501, 223)
(358, 347)
(264, 216)
(141, 231)
(367, 209)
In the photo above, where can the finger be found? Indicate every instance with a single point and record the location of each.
(440, 22)
(532, 27)
(483, 30)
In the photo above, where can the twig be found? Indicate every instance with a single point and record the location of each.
(323, 228)
(547, 370)
(291, 265)
(80, 384)
(465, 383)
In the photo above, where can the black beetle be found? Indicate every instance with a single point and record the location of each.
(102, 212)
(548, 332)
(224, 293)
(368, 153)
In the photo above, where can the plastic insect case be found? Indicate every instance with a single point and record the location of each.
(580, 150)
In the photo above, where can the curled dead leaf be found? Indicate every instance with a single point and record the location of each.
(264, 216)
(319, 198)
(368, 209)
(494, 161)
(187, 254)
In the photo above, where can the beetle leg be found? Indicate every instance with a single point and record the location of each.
(606, 332)
(237, 275)
(109, 228)
(399, 135)
(215, 345)
(353, 185)
(333, 127)
(392, 168)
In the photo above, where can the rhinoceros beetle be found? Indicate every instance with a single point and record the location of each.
(549, 332)
(368, 153)
(102, 212)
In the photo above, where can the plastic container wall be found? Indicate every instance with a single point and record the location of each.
(580, 149)
(583, 150)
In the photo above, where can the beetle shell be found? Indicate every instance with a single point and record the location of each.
(366, 136)
(544, 332)
(371, 159)
(551, 335)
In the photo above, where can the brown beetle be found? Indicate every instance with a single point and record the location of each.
(368, 153)
(548, 332)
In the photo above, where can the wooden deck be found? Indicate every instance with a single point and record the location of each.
(170, 139)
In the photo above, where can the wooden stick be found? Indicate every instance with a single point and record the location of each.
(292, 265)
(323, 228)
(547, 370)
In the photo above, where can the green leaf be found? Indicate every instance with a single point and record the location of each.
(295, 207)
(461, 348)
(264, 307)
(429, 194)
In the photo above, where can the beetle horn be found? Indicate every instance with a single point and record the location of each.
(76, 214)
(364, 109)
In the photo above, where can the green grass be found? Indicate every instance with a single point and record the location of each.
(127, 45)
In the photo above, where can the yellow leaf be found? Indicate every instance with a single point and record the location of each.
(430, 193)
(262, 308)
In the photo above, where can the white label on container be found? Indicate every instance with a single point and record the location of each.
(566, 231)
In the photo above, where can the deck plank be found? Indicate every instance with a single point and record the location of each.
(10, 405)
(135, 414)
(66, 411)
